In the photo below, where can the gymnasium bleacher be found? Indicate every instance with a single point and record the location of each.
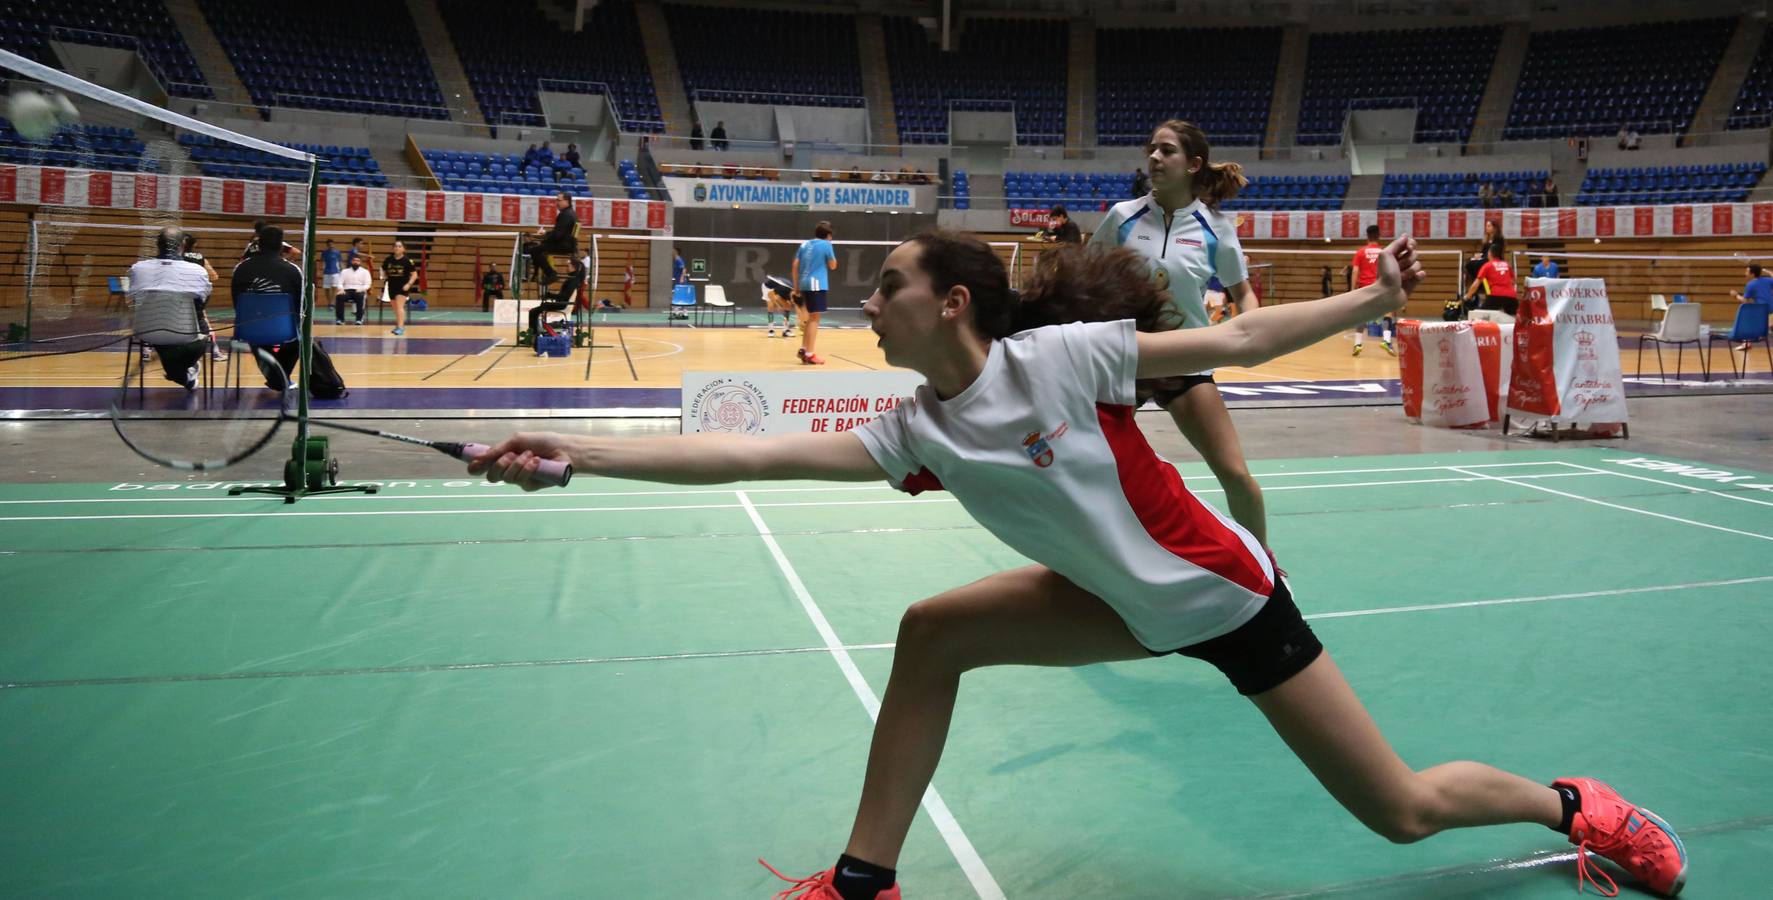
(354, 56)
(1440, 72)
(1714, 183)
(1591, 81)
(502, 173)
(338, 165)
(28, 26)
(1001, 65)
(1454, 190)
(1227, 92)
(766, 56)
(607, 57)
(86, 147)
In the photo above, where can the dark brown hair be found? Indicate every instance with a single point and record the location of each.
(1071, 283)
(1215, 182)
(822, 230)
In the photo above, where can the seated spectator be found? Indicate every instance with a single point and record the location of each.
(1623, 137)
(920, 177)
(529, 159)
(1758, 290)
(352, 287)
(696, 136)
(854, 174)
(492, 287)
(545, 156)
(572, 156)
(562, 299)
(880, 177)
(1631, 139)
(729, 170)
(1535, 195)
(1060, 228)
(1486, 195)
(1142, 184)
(717, 137)
(1546, 268)
(1550, 190)
(1505, 197)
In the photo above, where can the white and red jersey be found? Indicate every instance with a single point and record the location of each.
(1366, 265)
(1042, 450)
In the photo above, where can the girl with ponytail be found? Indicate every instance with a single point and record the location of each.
(1187, 242)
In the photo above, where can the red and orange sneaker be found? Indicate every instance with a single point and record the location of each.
(1633, 838)
(818, 887)
(812, 359)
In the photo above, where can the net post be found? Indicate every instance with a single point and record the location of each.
(31, 275)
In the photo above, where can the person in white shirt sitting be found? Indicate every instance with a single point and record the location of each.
(353, 288)
(170, 273)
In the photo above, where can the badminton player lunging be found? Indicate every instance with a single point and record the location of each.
(1026, 417)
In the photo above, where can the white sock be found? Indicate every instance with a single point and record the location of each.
(1387, 335)
(1360, 336)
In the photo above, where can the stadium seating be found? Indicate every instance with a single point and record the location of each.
(1001, 63)
(1754, 103)
(501, 173)
(1099, 190)
(1453, 190)
(374, 62)
(766, 56)
(1441, 72)
(1716, 183)
(508, 49)
(1227, 91)
(338, 165)
(27, 27)
(963, 190)
(83, 147)
(1591, 81)
(632, 181)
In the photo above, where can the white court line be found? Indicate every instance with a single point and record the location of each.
(906, 501)
(963, 850)
(1615, 592)
(1685, 487)
(1632, 509)
(858, 486)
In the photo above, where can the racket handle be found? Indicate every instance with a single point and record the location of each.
(551, 472)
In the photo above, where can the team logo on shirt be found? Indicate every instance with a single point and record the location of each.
(1037, 448)
(1187, 242)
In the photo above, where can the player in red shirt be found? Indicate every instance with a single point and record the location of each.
(1362, 271)
(1497, 279)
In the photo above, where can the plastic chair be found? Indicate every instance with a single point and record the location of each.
(1750, 328)
(714, 303)
(683, 303)
(163, 319)
(1679, 326)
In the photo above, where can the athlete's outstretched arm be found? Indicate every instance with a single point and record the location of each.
(1263, 334)
(684, 458)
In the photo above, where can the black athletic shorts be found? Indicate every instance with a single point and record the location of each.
(1263, 653)
(1176, 387)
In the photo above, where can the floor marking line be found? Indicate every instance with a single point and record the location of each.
(626, 355)
(1632, 509)
(1506, 601)
(1674, 484)
(958, 844)
(418, 668)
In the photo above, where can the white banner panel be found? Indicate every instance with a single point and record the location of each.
(53, 186)
(1566, 354)
(790, 402)
(829, 195)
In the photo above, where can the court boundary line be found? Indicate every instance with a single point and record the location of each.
(964, 853)
(1742, 498)
(1643, 512)
(167, 497)
(279, 512)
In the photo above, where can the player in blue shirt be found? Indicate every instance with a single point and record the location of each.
(1546, 268)
(813, 264)
(1758, 290)
(330, 268)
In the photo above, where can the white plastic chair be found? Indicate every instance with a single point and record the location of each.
(714, 299)
(1658, 303)
(163, 319)
(1679, 326)
(1490, 315)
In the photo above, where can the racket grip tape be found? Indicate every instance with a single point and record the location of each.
(551, 472)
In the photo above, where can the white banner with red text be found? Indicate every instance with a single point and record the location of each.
(790, 402)
(1566, 355)
(1607, 222)
(1454, 374)
(52, 186)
